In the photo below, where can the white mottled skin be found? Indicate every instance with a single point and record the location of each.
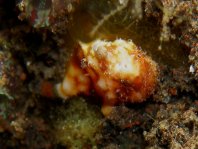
(118, 72)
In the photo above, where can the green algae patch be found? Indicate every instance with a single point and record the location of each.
(77, 124)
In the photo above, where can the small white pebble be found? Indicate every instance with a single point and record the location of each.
(121, 1)
(191, 69)
(28, 63)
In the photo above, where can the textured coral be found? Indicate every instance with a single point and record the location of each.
(175, 127)
(173, 83)
(179, 20)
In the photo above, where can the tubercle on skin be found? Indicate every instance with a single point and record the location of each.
(118, 72)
